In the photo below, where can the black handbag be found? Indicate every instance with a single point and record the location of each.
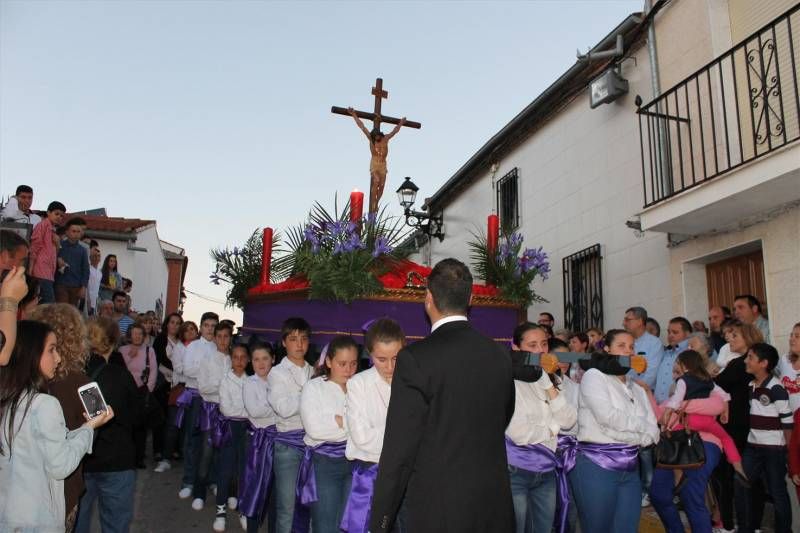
(680, 449)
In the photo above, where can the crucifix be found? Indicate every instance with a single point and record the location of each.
(378, 142)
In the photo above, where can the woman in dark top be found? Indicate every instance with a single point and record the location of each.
(67, 323)
(163, 344)
(735, 380)
(109, 471)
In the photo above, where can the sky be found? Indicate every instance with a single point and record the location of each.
(213, 118)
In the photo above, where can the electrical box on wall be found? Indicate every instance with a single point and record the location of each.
(607, 87)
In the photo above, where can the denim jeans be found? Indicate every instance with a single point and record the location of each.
(192, 442)
(114, 491)
(231, 460)
(607, 500)
(534, 496)
(47, 294)
(646, 467)
(768, 464)
(692, 495)
(285, 464)
(334, 476)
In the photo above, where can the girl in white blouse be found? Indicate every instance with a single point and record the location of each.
(322, 412)
(232, 437)
(614, 419)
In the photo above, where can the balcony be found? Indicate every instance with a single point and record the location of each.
(721, 145)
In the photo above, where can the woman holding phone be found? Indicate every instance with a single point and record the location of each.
(110, 471)
(36, 450)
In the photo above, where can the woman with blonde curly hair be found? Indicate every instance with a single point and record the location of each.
(67, 323)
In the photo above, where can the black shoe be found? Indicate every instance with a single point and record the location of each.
(141, 465)
(741, 479)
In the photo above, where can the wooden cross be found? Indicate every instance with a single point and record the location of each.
(376, 117)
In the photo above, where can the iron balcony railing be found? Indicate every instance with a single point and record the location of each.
(742, 106)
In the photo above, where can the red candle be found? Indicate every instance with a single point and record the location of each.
(356, 206)
(492, 234)
(266, 255)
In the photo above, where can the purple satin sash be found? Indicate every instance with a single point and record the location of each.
(355, 518)
(257, 475)
(306, 488)
(184, 403)
(540, 458)
(617, 457)
(221, 433)
(567, 451)
(209, 416)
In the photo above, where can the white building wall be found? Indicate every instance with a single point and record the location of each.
(580, 180)
(148, 270)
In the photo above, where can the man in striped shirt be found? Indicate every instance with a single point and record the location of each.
(770, 430)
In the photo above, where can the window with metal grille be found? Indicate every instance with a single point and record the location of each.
(583, 289)
(508, 201)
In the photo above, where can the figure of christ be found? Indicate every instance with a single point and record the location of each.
(379, 148)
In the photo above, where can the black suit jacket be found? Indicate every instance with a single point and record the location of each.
(444, 446)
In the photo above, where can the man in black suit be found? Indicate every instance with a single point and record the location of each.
(452, 398)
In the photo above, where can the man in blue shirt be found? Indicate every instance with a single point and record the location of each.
(678, 333)
(72, 276)
(635, 322)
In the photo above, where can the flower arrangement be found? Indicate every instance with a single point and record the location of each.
(511, 268)
(240, 267)
(343, 259)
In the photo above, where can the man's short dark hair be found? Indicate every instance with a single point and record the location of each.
(75, 221)
(127, 282)
(653, 321)
(23, 188)
(450, 284)
(11, 241)
(555, 343)
(638, 312)
(766, 352)
(222, 326)
(726, 311)
(522, 329)
(549, 316)
(683, 322)
(384, 330)
(94, 244)
(56, 206)
(208, 315)
(752, 301)
(118, 294)
(294, 323)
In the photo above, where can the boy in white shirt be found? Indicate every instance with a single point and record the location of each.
(189, 369)
(232, 449)
(284, 385)
(366, 405)
(212, 370)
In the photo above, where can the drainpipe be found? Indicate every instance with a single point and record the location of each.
(665, 163)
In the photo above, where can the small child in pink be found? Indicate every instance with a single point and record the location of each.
(696, 383)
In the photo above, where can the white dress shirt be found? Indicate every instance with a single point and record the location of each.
(194, 355)
(212, 371)
(442, 321)
(93, 289)
(231, 395)
(571, 392)
(367, 402)
(284, 383)
(537, 419)
(178, 354)
(320, 402)
(258, 409)
(611, 411)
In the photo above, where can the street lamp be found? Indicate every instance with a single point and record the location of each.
(432, 226)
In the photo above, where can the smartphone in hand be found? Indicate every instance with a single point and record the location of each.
(92, 399)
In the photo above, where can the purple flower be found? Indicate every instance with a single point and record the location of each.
(535, 260)
(381, 247)
(372, 218)
(353, 243)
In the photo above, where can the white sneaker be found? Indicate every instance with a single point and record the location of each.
(243, 521)
(184, 493)
(645, 500)
(219, 523)
(233, 503)
(162, 466)
(722, 530)
(197, 504)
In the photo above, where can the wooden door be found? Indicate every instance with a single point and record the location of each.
(743, 274)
